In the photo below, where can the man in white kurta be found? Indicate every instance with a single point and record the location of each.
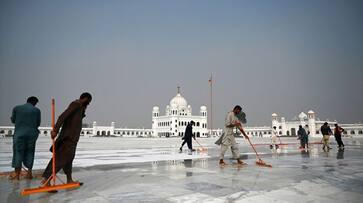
(274, 135)
(228, 140)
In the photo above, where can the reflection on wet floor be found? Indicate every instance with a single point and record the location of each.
(311, 175)
(340, 154)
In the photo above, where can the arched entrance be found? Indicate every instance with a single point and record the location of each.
(293, 132)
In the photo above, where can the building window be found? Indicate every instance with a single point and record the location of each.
(360, 132)
(198, 124)
(280, 133)
(317, 132)
(280, 127)
(352, 132)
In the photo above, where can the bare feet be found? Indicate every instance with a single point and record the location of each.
(29, 175)
(239, 162)
(14, 176)
(222, 163)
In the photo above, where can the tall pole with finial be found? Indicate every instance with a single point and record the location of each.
(211, 103)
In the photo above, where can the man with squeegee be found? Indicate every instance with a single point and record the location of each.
(71, 122)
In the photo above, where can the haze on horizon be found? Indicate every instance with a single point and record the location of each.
(267, 56)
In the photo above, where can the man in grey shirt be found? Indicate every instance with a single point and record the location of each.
(228, 140)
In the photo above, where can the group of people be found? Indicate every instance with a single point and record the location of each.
(67, 130)
(327, 132)
(69, 125)
(303, 136)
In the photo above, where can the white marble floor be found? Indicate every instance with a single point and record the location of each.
(139, 170)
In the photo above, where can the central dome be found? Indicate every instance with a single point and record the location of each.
(178, 101)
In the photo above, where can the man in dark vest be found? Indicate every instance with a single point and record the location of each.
(188, 135)
(326, 131)
(302, 135)
(65, 146)
(26, 118)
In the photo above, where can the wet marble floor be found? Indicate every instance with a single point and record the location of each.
(168, 176)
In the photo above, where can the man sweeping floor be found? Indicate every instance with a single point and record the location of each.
(228, 141)
(71, 123)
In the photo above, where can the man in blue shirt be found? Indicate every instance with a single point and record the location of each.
(26, 118)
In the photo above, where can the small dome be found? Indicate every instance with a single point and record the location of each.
(302, 115)
(155, 108)
(311, 112)
(203, 108)
(178, 101)
(274, 114)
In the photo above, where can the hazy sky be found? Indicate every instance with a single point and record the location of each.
(267, 56)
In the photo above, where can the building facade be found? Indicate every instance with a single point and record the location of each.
(290, 128)
(177, 115)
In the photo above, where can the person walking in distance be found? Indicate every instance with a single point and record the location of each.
(306, 138)
(302, 134)
(273, 137)
(326, 131)
(188, 135)
(338, 136)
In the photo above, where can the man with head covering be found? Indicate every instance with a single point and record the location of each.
(228, 140)
(26, 118)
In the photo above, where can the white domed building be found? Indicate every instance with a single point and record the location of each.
(290, 128)
(177, 115)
